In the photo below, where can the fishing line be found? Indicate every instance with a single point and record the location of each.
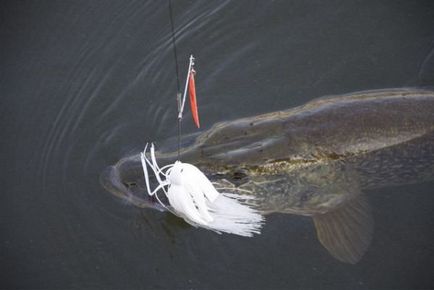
(178, 86)
(172, 26)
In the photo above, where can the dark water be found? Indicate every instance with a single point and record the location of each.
(84, 83)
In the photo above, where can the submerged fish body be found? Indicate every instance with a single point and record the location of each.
(312, 160)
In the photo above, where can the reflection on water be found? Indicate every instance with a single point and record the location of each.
(86, 83)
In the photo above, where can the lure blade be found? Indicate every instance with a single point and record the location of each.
(193, 101)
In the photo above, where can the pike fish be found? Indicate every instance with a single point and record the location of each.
(313, 160)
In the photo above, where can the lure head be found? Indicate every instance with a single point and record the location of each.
(175, 176)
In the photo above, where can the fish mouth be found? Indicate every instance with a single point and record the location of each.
(129, 188)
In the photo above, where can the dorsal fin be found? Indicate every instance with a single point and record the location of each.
(346, 232)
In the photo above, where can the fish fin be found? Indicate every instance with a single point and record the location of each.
(346, 232)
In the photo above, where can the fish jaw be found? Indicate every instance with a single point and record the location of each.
(128, 186)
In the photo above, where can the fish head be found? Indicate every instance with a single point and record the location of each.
(256, 156)
(226, 154)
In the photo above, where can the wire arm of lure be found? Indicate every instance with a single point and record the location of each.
(184, 96)
(155, 169)
(155, 164)
(145, 169)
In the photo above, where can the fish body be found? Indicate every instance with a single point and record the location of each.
(313, 160)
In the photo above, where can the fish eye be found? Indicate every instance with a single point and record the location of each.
(239, 177)
(236, 176)
(239, 174)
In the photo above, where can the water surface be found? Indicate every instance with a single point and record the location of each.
(84, 83)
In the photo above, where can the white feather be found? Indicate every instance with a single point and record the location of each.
(194, 175)
(183, 204)
(180, 189)
(194, 198)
